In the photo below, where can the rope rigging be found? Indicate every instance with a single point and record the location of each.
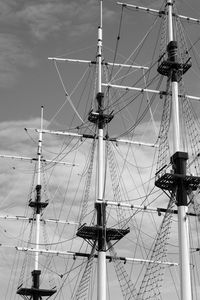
(153, 279)
(86, 193)
(155, 248)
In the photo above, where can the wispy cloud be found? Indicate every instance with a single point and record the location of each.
(13, 55)
(150, 3)
(18, 143)
(42, 19)
(23, 23)
(47, 17)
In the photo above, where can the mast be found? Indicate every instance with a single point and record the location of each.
(172, 46)
(101, 284)
(100, 234)
(177, 181)
(179, 159)
(171, 66)
(35, 292)
(173, 69)
(38, 190)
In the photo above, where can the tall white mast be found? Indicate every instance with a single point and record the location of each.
(101, 284)
(175, 100)
(35, 292)
(38, 191)
(185, 278)
(173, 69)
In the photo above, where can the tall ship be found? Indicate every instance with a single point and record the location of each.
(113, 206)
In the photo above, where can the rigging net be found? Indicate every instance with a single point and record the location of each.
(152, 282)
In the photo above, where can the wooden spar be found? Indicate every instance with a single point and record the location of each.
(78, 254)
(24, 218)
(143, 90)
(31, 159)
(111, 139)
(144, 208)
(94, 63)
(159, 12)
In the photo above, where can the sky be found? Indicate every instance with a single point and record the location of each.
(32, 31)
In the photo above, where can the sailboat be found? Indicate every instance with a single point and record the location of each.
(108, 214)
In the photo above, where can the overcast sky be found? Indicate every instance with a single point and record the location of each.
(31, 31)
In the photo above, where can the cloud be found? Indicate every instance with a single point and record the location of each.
(16, 175)
(13, 180)
(81, 29)
(48, 17)
(23, 23)
(16, 179)
(156, 4)
(13, 55)
(4, 9)
(42, 19)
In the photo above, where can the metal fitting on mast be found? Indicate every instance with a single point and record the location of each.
(170, 65)
(99, 117)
